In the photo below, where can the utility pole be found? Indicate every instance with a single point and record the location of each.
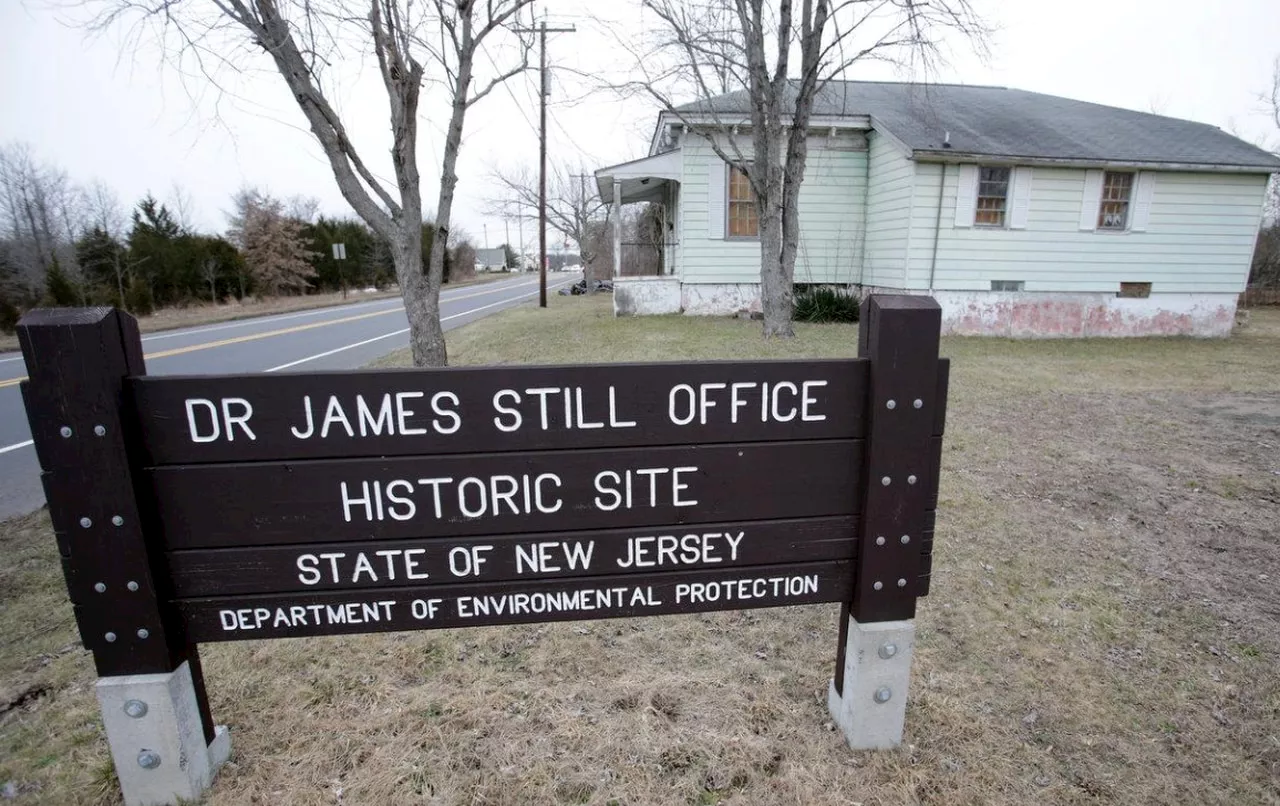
(545, 90)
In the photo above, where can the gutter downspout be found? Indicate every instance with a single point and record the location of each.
(937, 229)
(866, 204)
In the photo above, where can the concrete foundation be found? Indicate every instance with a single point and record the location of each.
(645, 296)
(1031, 314)
(157, 742)
(877, 669)
(1011, 314)
(719, 299)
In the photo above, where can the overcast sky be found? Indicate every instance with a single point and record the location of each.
(103, 108)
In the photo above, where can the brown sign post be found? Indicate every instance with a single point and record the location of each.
(222, 508)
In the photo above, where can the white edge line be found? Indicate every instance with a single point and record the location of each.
(328, 353)
(445, 296)
(16, 446)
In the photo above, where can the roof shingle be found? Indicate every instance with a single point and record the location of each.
(1002, 122)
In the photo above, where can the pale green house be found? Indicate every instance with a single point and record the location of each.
(1023, 214)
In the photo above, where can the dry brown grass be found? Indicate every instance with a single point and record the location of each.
(1102, 626)
(208, 314)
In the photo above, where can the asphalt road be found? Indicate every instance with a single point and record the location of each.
(342, 337)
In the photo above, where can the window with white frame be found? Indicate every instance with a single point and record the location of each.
(1117, 193)
(993, 197)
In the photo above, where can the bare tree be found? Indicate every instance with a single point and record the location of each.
(272, 243)
(573, 205)
(103, 211)
(304, 40)
(183, 207)
(41, 215)
(705, 48)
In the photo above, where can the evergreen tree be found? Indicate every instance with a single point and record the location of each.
(59, 289)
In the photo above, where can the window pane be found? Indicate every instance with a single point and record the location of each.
(743, 219)
(1113, 212)
(993, 195)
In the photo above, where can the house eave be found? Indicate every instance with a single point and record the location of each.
(695, 120)
(952, 156)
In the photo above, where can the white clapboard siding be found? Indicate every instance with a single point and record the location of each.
(831, 214)
(888, 213)
(1142, 197)
(1090, 200)
(1199, 237)
(717, 187)
(1020, 204)
(967, 195)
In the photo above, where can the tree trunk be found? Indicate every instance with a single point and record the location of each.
(444, 213)
(421, 296)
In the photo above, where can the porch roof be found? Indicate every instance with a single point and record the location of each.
(643, 179)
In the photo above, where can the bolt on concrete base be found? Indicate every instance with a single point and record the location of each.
(877, 669)
(157, 742)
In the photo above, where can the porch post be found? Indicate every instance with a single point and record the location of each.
(617, 227)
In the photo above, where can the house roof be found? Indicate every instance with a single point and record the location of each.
(1010, 123)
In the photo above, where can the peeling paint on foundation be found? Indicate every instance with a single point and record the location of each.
(720, 299)
(646, 296)
(1031, 315)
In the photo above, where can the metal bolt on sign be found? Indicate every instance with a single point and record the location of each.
(905, 539)
(887, 651)
(144, 633)
(116, 520)
(133, 586)
(883, 695)
(902, 583)
(100, 430)
(135, 708)
(148, 759)
(891, 405)
(85, 523)
(878, 585)
(111, 637)
(880, 540)
(100, 587)
(65, 431)
(911, 479)
(918, 403)
(886, 481)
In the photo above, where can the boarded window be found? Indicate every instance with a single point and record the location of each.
(744, 218)
(1117, 190)
(1006, 285)
(1135, 290)
(993, 197)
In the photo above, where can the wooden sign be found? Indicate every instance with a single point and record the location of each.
(222, 508)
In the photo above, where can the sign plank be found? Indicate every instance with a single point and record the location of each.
(238, 618)
(209, 506)
(441, 561)
(188, 420)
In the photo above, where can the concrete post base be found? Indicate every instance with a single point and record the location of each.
(877, 669)
(157, 743)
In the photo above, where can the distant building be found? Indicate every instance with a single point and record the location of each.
(1023, 214)
(492, 259)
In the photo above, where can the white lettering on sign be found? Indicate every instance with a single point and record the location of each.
(563, 407)
(472, 496)
(387, 415)
(203, 423)
(730, 590)
(690, 549)
(619, 490)
(395, 564)
(541, 558)
(259, 618)
(780, 402)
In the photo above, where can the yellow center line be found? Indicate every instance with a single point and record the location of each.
(209, 345)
